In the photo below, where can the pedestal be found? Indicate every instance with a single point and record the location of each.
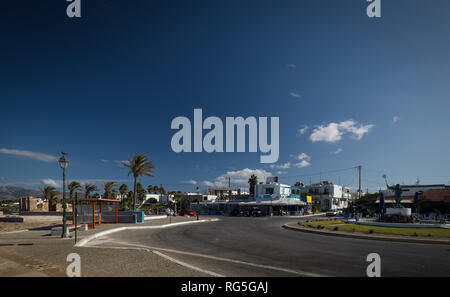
(401, 211)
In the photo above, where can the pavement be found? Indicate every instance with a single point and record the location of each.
(40, 254)
(231, 246)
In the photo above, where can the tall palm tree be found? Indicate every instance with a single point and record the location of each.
(109, 187)
(73, 187)
(252, 181)
(138, 166)
(49, 193)
(88, 189)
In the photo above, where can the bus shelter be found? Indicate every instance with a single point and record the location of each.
(95, 211)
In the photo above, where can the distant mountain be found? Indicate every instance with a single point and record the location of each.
(12, 192)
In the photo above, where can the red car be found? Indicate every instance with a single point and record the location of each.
(188, 212)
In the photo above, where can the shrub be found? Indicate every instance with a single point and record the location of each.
(371, 231)
(336, 228)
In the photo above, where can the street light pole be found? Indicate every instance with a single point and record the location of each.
(64, 162)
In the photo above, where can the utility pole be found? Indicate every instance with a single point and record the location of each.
(229, 182)
(359, 187)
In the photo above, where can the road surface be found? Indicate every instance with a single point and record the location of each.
(239, 246)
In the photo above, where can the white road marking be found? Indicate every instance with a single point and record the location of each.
(99, 234)
(150, 248)
(187, 265)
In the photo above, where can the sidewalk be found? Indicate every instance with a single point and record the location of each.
(36, 253)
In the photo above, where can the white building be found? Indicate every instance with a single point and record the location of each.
(163, 199)
(328, 196)
(271, 191)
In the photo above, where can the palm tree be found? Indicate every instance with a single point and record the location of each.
(123, 189)
(88, 189)
(138, 166)
(155, 189)
(109, 187)
(149, 189)
(252, 181)
(49, 193)
(73, 187)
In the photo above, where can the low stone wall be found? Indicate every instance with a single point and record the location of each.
(41, 213)
(11, 219)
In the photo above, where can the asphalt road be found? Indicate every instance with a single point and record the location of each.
(236, 246)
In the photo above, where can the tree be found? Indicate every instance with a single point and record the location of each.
(252, 181)
(150, 189)
(140, 192)
(49, 193)
(73, 187)
(155, 189)
(109, 187)
(123, 189)
(138, 166)
(157, 207)
(88, 189)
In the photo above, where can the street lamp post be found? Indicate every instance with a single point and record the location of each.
(64, 162)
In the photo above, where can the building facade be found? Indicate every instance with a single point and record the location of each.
(329, 196)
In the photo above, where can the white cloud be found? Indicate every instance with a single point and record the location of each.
(333, 131)
(295, 95)
(303, 156)
(396, 119)
(281, 172)
(304, 161)
(286, 165)
(303, 130)
(238, 177)
(302, 164)
(292, 66)
(191, 182)
(207, 183)
(28, 154)
(338, 151)
(51, 182)
(104, 161)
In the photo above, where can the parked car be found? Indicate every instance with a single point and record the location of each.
(333, 213)
(188, 212)
(255, 212)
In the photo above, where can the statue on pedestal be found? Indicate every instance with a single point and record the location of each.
(397, 189)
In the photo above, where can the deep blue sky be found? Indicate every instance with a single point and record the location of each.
(108, 85)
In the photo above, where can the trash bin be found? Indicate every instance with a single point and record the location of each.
(135, 218)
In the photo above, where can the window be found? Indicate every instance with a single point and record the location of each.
(269, 191)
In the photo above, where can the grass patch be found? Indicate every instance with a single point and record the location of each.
(324, 223)
(416, 232)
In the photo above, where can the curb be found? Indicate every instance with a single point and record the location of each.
(84, 241)
(148, 218)
(365, 236)
(17, 231)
